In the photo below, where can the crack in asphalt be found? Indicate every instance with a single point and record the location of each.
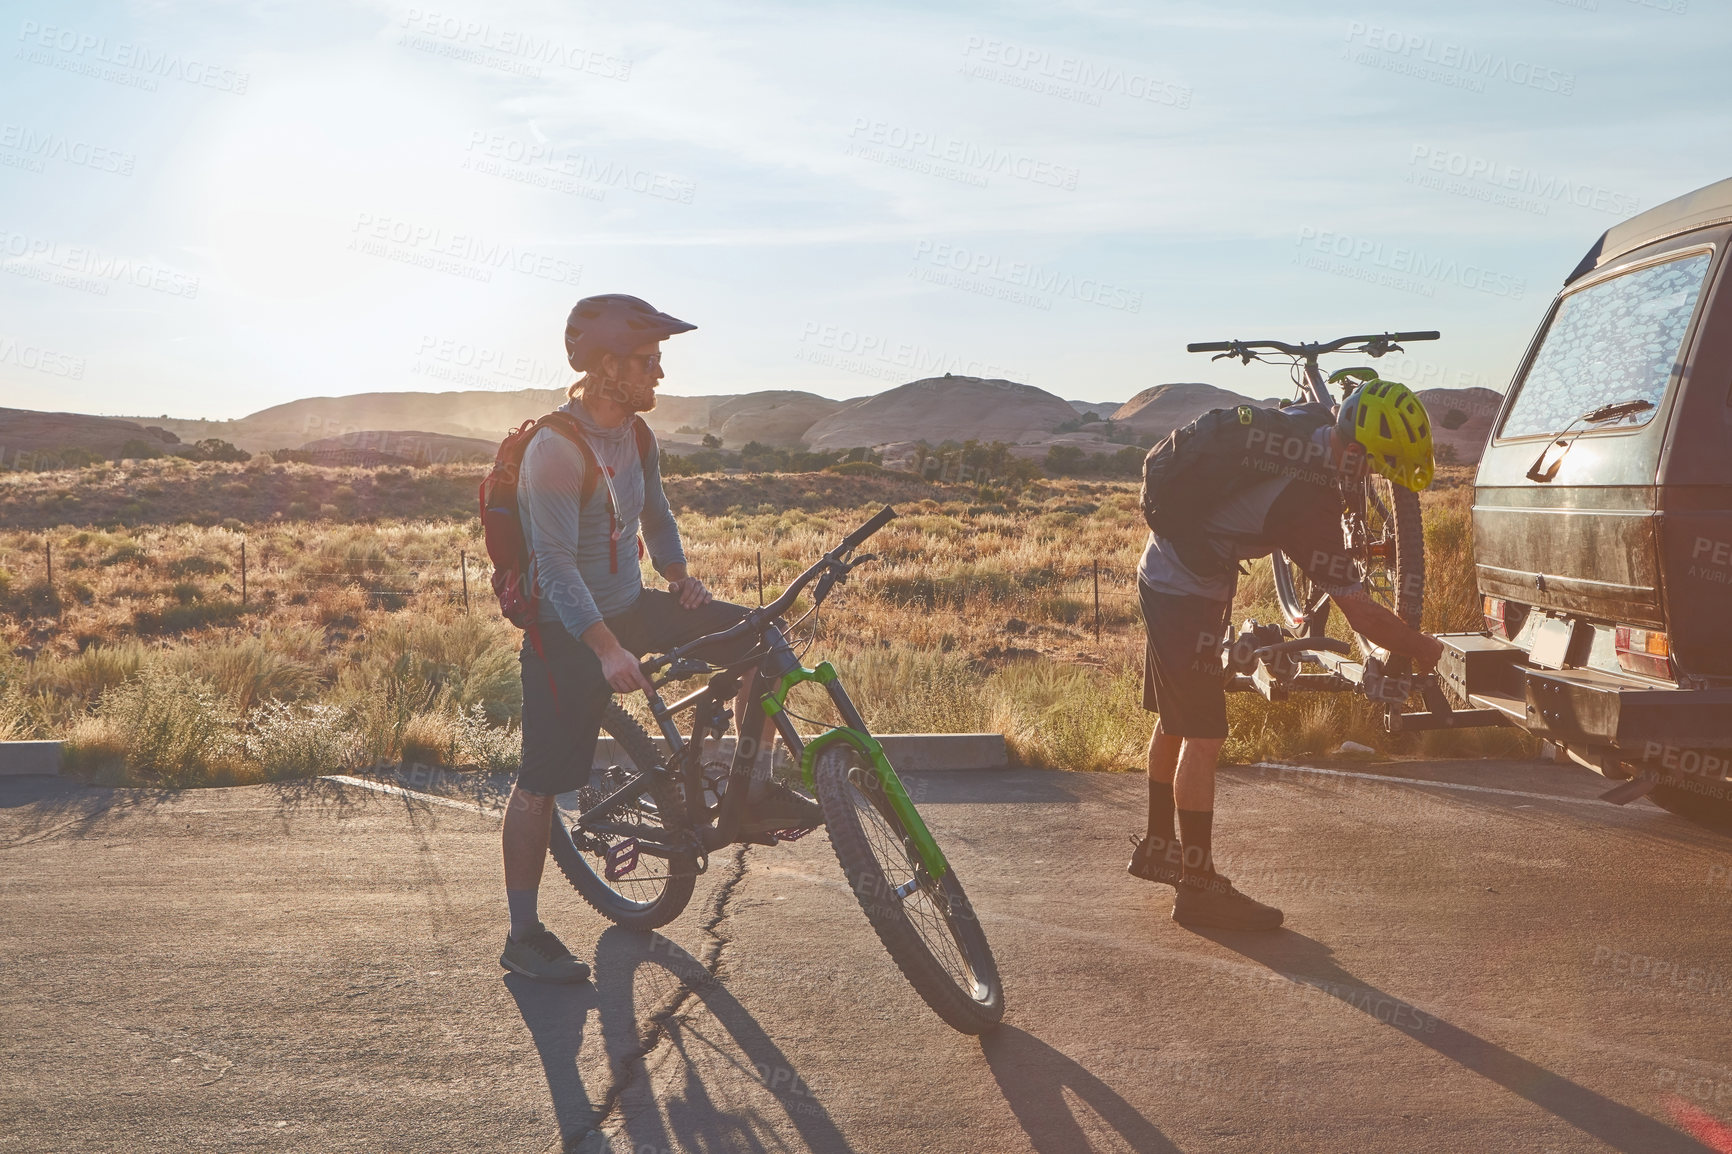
(653, 1030)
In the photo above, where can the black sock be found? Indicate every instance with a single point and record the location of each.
(1195, 829)
(1161, 832)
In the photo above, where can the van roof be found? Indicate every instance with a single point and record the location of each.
(1709, 205)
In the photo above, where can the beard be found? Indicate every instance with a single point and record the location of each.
(631, 396)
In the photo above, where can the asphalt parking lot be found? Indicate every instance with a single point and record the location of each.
(1481, 959)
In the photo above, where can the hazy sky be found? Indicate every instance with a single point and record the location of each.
(208, 209)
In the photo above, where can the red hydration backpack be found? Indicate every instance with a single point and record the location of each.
(502, 528)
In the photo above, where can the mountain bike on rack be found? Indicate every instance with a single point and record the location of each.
(1382, 531)
(635, 846)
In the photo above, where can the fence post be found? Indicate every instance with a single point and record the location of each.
(1097, 600)
(243, 570)
(760, 576)
(48, 555)
(463, 560)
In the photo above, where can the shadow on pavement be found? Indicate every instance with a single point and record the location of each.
(1299, 959)
(1033, 1078)
(44, 807)
(555, 1017)
(683, 1113)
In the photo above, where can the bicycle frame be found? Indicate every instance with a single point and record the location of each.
(777, 673)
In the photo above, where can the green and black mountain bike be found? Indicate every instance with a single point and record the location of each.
(638, 840)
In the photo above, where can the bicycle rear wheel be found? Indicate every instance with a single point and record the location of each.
(927, 924)
(1395, 548)
(609, 868)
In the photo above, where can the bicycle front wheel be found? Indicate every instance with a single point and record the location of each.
(926, 923)
(609, 865)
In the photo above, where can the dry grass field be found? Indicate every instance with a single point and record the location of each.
(355, 644)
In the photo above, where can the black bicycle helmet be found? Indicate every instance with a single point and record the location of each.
(614, 323)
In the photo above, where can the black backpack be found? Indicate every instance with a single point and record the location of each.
(500, 525)
(1193, 470)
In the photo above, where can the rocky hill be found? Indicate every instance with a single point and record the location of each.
(938, 409)
(25, 433)
(1157, 411)
(377, 447)
(947, 408)
(774, 417)
(1461, 419)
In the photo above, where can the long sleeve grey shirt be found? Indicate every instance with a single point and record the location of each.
(568, 544)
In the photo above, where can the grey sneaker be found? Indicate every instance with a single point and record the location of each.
(772, 807)
(1159, 869)
(1212, 901)
(540, 955)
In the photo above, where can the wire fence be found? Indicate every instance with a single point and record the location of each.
(1097, 597)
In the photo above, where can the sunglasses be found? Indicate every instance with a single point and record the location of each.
(650, 360)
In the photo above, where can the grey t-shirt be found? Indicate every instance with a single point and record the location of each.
(1303, 520)
(579, 579)
(1234, 528)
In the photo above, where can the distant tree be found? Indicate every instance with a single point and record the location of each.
(215, 449)
(711, 441)
(139, 449)
(688, 430)
(1064, 460)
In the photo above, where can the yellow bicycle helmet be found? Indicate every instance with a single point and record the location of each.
(1390, 422)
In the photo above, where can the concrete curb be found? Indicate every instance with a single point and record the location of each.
(23, 758)
(910, 752)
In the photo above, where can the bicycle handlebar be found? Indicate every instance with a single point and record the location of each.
(754, 621)
(879, 519)
(1309, 349)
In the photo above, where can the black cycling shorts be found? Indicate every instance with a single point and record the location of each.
(1183, 677)
(564, 692)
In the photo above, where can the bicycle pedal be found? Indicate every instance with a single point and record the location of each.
(621, 859)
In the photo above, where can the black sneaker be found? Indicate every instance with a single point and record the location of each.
(1210, 900)
(1159, 870)
(772, 807)
(540, 955)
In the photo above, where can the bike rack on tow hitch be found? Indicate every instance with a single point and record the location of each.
(1266, 659)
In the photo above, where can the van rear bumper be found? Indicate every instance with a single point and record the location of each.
(1585, 707)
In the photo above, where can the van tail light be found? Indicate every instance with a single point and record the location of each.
(1504, 618)
(1646, 651)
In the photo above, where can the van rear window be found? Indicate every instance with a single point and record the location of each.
(1617, 340)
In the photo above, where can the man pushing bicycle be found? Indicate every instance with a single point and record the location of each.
(1234, 485)
(584, 481)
